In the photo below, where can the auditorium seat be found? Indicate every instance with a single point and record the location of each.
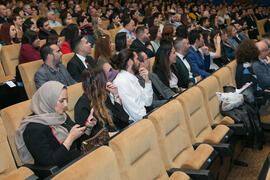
(265, 171)
(3, 77)
(100, 164)
(42, 42)
(232, 66)
(66, 58)
(27, 71)
(197, 119)
(138, 155)
(209, 87)
(152, 61)
(174, 140)
(260, 26)
(20, 174)
(105, 23)
(74, 93)
(12, 117)
(10, 58)
(20, 34)
(58, 29)
(224, 77)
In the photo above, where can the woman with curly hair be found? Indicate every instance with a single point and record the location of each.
(246, 54)
(168, 32)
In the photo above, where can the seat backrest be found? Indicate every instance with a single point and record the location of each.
(42, 42)
(19, 34)
(173, 138)
(100, 164)
(196, 117)
(260, 26)
(74, 93)
(66, 58)
(10, 58)
(18, 174)
(232, 66)
(224, 77)
(137, 152)
(2, 72)
(12, 117)
(7, 163)
(209, 87)
(58, 29)
(27, 71)
(152, 61)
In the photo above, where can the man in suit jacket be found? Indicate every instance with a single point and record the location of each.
(199, 61)
(161, 93)
(252, 25)
(141, 43)
(80, 60)
(181, 46)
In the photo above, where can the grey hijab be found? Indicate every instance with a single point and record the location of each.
(43, 106)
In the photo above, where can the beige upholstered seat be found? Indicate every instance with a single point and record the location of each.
(42, 42)
(224, 78)
(174, 140)
(66, 58)
(59, 29)
(232, 66)
(10, 58)
(197, 119)
(209, 87)
(18, 174)
(27, 71)
(152, 61)
(260, 26)
(3, 76)
(12, 117)
(138, 154)
(74, 93)
(100, 164)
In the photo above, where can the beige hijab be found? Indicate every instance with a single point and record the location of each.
(43, 106)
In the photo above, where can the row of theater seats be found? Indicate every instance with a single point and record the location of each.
(179, 124)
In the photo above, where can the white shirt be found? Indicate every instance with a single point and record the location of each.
(173, 81)
(190, 75)
(82, 59)
(134, 97)
(54, 24)
(130, 34)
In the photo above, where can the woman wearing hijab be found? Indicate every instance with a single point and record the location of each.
(48, 136)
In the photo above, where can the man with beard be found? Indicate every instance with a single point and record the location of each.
(141, 43)
(181, 46)
(44, 28)
(134, 97)
(52, 69)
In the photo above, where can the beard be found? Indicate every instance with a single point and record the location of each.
(56, 61)
(135, 69)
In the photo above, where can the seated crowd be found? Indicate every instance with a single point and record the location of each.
(121, 83)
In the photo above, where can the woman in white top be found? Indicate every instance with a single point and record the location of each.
(155, 36)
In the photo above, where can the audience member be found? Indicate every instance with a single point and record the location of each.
(8, 34)
(29, 24)
(155, 37)
(134, 97)
(52, 19)
(142, 42)
(30, 47)
(3, 14)
(129, 27)
(97, 26)
(86, 30)
(27, 10)
(100, 105)
(80, 60)
(44, 28)
(49, 136)
(17, 21)
(66, 20)
(200, 62)
(114, 21)
(189, 79)
(122, 41)
(52, 69)
(168, 32)
(71, 34)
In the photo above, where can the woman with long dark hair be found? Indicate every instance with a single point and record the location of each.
(30, 47)
(71, 33)
(165, 68)
(101, 99)
(122, 41)
(8, 34)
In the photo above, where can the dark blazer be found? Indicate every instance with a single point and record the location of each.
(262, 71)
(44, 35)
(75, 67)
(185, 73)
(199, 65)
(45, 148)
(139, 46)
(162, 93)
(158, 70)
(82, 110)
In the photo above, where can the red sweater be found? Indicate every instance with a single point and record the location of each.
(65, 49)
(28, 53)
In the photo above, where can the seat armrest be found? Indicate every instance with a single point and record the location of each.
(42, 172)
(201, 174)
(224, 149)
(238, 129)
